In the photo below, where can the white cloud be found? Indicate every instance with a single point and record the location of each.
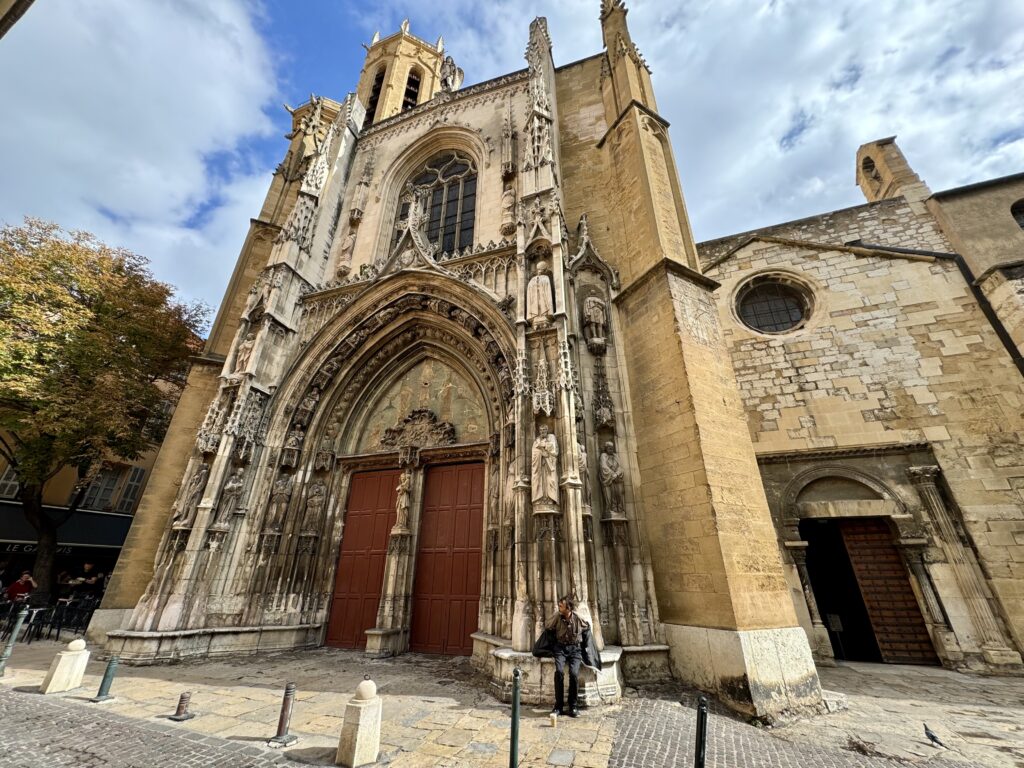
(130, 119)
(143, 121)
(739, 80)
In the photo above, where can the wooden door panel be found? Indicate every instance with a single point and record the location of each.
(369, 516)
(891, 605)
(446, 585)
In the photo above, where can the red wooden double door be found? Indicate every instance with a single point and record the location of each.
(446, 580)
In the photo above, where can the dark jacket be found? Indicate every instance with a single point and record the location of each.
(545, 646)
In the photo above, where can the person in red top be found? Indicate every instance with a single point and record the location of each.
(21, 587)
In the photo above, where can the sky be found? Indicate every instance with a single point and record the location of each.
(156, 124)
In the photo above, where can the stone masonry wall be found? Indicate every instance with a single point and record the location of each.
(896, 351)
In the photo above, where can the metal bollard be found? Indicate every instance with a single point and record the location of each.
(103, 694)
(182, 713)
(700, 749)
(283, 738)
(18, 621)
(513, 749)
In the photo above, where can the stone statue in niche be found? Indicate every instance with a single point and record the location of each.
(595, 324)
(315, 500)
(279, 496)
(508, 212)
(544, 475)
(293, 446)
(188, 503)
(324, 459)
(229, 499)
(584, 475)
(539, 297)
(305, 410)
(402, 505)
(343, 255)
(244, 353)
(612, 482)
(509, 501)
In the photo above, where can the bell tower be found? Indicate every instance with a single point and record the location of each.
(400, 72)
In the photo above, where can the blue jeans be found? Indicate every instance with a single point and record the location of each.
(571, 655)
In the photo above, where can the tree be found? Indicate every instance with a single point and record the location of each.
(93, 351)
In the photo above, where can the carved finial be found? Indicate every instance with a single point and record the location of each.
(376, 38)
(607, 6)
(440, 44)
(405, 26)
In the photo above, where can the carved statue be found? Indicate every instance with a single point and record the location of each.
(295, 438)
(306, 407)
(229, 498)
(584, 474)
(539, 301)
(451, 75)
(544, 475)
(402, 507)
(509, 502)
(343, 255)
(595, 324)
(508, 211)
(612, 482)
(279, 496)
(315, 500)
(325, 455)
(188, 503)
(244, 353)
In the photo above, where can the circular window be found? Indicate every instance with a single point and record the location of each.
(773, 304)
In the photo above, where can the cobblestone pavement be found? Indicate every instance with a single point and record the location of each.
(438, 712)
(658, 730)
(40, 731)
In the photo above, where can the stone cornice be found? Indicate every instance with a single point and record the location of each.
(816, 454)
(669, 266)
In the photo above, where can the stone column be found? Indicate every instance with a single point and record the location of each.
(390, 636)
(821, 644)
(965, 570)
(942, 634)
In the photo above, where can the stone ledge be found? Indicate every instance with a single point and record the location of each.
(136, 647)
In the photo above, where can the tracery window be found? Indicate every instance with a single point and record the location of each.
(449, 179)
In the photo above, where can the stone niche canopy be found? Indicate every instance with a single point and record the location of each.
(431, 404)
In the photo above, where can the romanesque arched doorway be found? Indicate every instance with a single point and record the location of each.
(855, 573)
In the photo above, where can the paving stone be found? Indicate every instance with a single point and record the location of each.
(561, 757)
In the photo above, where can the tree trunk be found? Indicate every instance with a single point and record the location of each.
(45, 569)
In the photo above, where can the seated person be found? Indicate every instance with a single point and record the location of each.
(88, 581)
(20, 589)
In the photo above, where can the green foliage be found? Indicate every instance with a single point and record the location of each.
(92, 348)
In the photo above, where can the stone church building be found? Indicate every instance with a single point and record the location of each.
(471, 359)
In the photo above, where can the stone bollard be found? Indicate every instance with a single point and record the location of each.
(67, 669)
(360, 734)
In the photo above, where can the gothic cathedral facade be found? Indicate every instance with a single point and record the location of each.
(469, 362)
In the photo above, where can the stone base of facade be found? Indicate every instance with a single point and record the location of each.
(493, 656)
(105, 620)
(210, 642)
(386, 642)
(766, 673)
(646, 664)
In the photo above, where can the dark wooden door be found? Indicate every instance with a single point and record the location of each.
(892, 607)
(446, 585)
(369, 516)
